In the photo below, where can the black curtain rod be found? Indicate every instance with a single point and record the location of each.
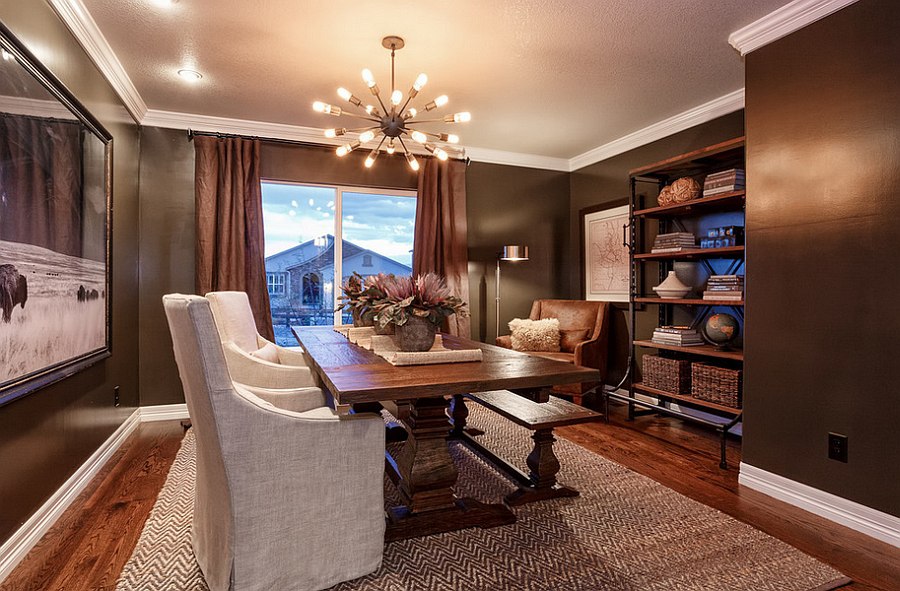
(191, 133)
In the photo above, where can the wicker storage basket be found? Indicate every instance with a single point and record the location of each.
(671, 375)
(716, 384)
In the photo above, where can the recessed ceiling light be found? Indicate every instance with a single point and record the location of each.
(190, 75)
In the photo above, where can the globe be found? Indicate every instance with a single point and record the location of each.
(721, 330)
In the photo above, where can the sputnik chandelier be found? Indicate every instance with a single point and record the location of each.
(387, 126)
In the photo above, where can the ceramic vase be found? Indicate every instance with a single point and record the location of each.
(416, 334)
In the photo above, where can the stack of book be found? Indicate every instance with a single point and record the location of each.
(724, 182)
(681, 336)
(724, 287)
(674, 242)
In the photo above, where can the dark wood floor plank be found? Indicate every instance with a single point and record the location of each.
(87, 548)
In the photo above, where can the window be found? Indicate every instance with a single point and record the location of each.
(312, 290)
(275, 283)
(317, 236)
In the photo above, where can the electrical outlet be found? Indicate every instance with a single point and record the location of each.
(837, 447)
(116, 396)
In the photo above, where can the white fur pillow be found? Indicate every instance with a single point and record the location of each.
(267, 352)
(535, 335)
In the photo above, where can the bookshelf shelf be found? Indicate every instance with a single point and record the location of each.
(724, 202)
(656, 393)
(688, 302)
(693, 254)
(698, 350)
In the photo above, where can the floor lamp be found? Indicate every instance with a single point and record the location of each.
(509, 253)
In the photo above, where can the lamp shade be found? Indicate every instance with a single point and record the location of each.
(514, 253)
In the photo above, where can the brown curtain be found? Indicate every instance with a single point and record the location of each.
(440, 243)
(41, 183)
(230, 238)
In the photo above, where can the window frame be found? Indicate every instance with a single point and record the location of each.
(279, 279)
(338, 233)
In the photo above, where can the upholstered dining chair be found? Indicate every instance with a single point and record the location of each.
(284, 499)
(584, 337)
(251, 358)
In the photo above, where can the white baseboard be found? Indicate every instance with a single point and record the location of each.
(163, 412)
(23, 540)
(866, 520)
(20, 543)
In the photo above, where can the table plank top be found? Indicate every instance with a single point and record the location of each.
(354, 374)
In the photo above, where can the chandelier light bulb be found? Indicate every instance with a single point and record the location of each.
(321, 107)
(441, 155)
(346, 149)
(368, 78)
(419, 137)
(463, 117)
(442, 100)
(344, 93)
(366, 136)
(370, 159)
(450, 138)
(330, 133)
(396, 97)
(420, 82)
(390, 147)
(413, 163)
(410, 114)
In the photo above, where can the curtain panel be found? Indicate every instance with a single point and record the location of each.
(440, 244)
(230, 237)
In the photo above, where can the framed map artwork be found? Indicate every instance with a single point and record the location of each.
(605, 256)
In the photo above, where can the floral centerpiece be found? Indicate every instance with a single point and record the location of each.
(359, 299)
(417, 307)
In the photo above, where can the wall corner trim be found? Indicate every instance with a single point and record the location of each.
(782, 22)
(881, 526)
(25, 538)
(728, 103)
(82, 25)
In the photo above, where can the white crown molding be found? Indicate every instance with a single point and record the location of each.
(858, 517)
(729, 103)
(82, 25)
(782, 22)
(490, 156)
(163, 412)
(209, 123)
(24, 539)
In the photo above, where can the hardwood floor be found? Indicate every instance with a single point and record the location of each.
(88, 546)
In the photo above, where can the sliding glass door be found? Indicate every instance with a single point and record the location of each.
(317, 236)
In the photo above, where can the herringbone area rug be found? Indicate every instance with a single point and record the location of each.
(625, 533)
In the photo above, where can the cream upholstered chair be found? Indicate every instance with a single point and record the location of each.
(252, 359)
(285, 499)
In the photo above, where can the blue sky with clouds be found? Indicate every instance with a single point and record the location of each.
(293, 214)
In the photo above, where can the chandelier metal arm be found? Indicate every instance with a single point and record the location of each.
(364, 117)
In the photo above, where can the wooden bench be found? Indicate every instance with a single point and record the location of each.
(540, 417)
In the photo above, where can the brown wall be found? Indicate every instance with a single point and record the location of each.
(514, 205)
(47, 435)
(823, 219)
(607, 181)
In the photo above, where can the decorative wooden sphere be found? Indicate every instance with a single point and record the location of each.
(665, 196)
(684, 189)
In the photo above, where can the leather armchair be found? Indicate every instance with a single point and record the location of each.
(289, 495)
(234, 319)
(584, 337)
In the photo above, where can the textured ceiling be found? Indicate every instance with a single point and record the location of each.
(552, 78)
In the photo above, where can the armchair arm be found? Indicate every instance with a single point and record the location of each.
(592, 353)
(286, 355)
(246, 369)
(296, 400)
(504, 341)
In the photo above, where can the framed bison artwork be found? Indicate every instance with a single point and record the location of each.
(55, 214)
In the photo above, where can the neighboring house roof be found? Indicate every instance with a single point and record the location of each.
(306, 253)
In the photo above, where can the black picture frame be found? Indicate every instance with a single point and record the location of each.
(67, 298)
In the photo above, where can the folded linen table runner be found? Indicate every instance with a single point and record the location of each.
(384, 346)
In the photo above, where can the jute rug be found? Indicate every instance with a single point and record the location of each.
(625, 532)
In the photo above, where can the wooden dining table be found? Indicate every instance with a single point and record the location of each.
(423, 470)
